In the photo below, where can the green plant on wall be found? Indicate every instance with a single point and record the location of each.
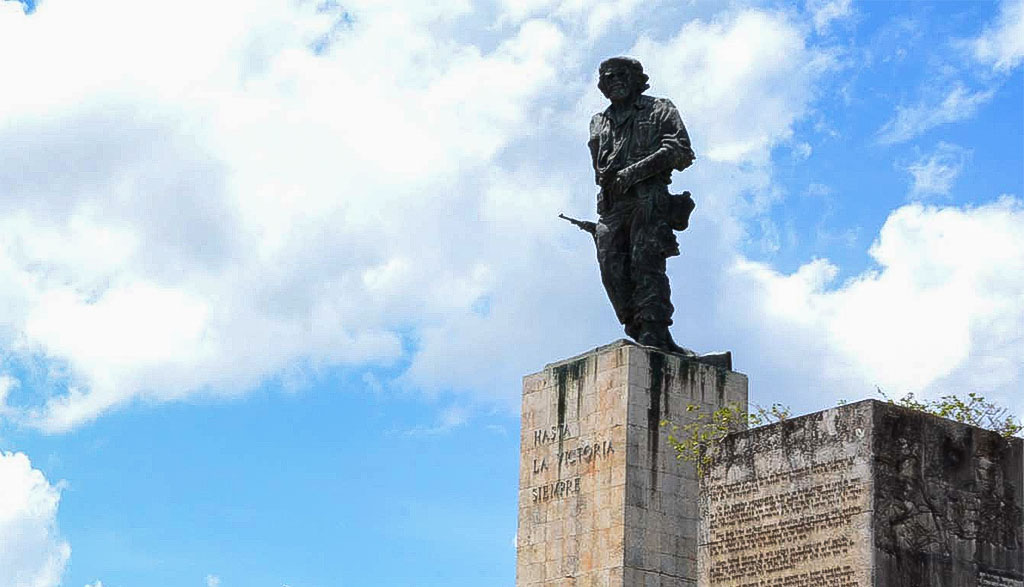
(974, 410)
(694, 440)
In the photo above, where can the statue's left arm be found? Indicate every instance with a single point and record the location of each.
(674, 150)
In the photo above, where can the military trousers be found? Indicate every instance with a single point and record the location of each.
(633, 241)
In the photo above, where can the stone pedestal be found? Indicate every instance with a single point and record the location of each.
(867, 494)
(603, 500)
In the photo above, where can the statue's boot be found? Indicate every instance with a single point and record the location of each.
(656, 334)
(633, 330)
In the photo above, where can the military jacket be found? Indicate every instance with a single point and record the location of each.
(650, 125)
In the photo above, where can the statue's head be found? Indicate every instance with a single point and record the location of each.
(621, 79)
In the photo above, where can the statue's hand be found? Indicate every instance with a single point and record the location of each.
(622, 182)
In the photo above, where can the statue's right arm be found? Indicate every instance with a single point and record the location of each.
(594, 143)
(604, 200)
(675, 139)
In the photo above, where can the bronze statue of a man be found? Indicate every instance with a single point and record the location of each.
(635, 144)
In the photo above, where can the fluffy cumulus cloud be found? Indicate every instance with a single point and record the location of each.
(591, 18)
(942, 313)
(295, 185)
(33, 553)
(741, 80)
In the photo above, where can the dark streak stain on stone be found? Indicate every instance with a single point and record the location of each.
(572, 371)
(691, 379)
(656, 361)
(671, 369)
(721, 385)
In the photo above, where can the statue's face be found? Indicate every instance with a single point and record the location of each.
(617, 83)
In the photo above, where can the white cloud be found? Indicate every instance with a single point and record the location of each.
(959, 103)
(194, 219)
(7, 383)
(802, 151)
(33, 553)
(824, 12)
(449, 419)
(943, 313)
(740, 81)
(98, 583)
(1002, 44)
(181, 221)
(593, 17)
(934, 174)
(212, 581)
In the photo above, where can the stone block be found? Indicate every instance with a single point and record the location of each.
(602, 498)
(867, 494)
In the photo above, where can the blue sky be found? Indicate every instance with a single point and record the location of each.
(270, 271)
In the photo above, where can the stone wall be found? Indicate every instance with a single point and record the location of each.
(863, 494)
(947, 503)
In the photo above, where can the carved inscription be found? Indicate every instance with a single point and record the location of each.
(992, 580)
(844, 576)
(556, 490)
(788, 529)
(552, 434)
(563, 458)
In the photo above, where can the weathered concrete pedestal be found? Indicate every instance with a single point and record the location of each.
(603, 500)
(864, 495)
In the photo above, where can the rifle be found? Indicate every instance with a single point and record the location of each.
(584, 225)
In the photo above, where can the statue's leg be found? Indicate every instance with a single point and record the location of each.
(651, 240)
(613, 257)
